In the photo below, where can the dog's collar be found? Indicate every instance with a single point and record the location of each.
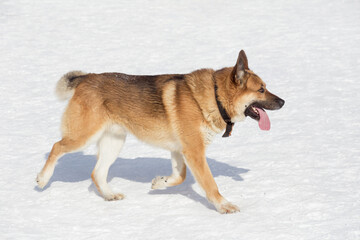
(224, 115)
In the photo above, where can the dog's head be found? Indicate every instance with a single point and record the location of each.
(250, 96)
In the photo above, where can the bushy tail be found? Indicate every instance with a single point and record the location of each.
(66, 85)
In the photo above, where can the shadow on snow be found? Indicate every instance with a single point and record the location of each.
(76, 167)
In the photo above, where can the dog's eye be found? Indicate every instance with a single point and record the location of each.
(261, 90)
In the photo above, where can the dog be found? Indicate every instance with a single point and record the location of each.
(178, 112)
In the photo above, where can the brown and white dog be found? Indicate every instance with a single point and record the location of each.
(178, 112)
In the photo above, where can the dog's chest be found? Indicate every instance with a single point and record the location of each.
(208, 134)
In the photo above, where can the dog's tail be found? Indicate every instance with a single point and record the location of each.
(65, 87)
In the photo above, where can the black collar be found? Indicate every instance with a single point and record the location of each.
(224, 115)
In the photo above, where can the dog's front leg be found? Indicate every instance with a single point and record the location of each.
(177, 177)
(196, 161)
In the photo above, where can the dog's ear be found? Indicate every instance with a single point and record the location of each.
(240, 67)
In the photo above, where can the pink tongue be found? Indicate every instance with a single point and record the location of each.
(264, 122)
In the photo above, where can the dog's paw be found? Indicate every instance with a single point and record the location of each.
(160, 182)
(41, 181)
(227, 207)
(114, 197)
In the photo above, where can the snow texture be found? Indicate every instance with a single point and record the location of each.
(300, 180)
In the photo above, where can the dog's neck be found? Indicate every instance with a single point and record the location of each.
(225, 116)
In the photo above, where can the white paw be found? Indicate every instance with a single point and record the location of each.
(114, 197)
(160, 182)
(41, 180)
(227, 207)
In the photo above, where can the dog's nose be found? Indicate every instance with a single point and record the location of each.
(280, 102)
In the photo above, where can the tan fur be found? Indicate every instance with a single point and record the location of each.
(175, 112)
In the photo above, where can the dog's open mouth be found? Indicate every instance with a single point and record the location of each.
(255, 111)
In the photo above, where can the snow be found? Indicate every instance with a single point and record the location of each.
(300, 180)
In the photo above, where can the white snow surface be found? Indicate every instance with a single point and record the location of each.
(300, 180)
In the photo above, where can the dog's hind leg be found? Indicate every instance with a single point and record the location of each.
(59, 149)
(178, 173)
(81, 126)
(109, 147)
